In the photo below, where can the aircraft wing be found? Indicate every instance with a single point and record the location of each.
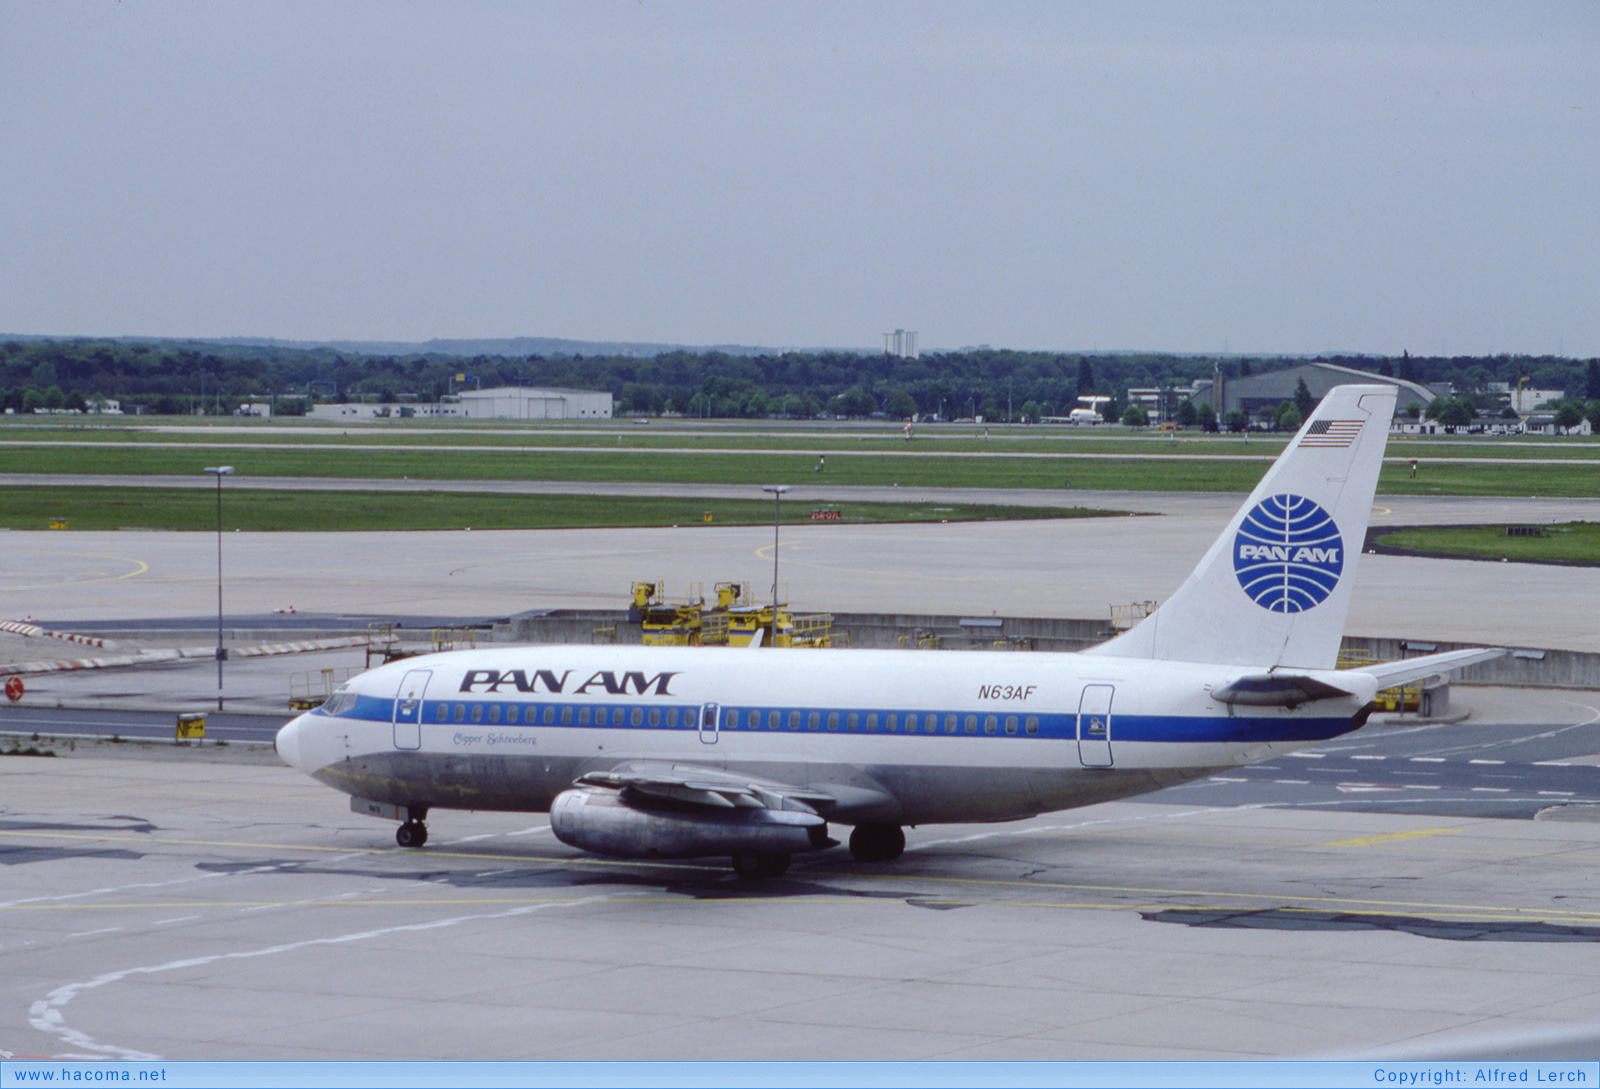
(708, 787)
(1389, 674)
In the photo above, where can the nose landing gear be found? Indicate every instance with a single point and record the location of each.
(412, 833)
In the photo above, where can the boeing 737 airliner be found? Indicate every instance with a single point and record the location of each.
(682, 752)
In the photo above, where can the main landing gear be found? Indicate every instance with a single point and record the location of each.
(413, 833)
(877, 842)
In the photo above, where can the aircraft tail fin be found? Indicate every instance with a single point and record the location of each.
(1274, 588)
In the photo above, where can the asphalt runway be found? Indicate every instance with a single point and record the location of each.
(1397, 902)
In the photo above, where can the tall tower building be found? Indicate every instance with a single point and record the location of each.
(902, 344)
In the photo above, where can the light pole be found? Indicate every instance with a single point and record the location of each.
(777, 491)
(219, 471)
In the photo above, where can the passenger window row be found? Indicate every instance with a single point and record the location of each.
(548, 714)
(733, 718)
(871, 721)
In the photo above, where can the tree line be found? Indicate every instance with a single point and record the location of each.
(181, 377)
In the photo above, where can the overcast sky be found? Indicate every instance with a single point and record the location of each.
(1286, 177)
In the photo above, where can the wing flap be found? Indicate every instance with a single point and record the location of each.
(707, 787)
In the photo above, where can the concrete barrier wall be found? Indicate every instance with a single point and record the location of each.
(1541, 667)
(881, 630)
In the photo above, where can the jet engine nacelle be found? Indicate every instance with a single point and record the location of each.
(604, 822)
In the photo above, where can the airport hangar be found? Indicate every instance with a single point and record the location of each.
(498, 403)
(239, 911)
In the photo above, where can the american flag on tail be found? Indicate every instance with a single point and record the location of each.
(1333, 433)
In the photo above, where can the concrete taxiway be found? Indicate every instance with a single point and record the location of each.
(155, 909)
(189, 908)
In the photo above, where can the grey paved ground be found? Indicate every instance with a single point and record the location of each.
(1052, 568)
(152, 908)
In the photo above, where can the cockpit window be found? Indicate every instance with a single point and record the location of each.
(340, 703)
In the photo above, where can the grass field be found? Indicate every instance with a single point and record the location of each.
(1573, 542)
(810, 438)
(93, 508)
(1231, 474)
(745, 454)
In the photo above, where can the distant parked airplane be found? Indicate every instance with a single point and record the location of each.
(1082, 415)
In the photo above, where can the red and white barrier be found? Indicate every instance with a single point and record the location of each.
(149, 657)
(32, 631)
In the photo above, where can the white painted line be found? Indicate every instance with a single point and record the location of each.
(1369, 758)
(180, 919)
(1557, 793)
(102, 930)
(1551, 764)
(1427, 759)
(1226, 779)
(1492, 790)
(47, 1015)
(1486, 761)
(1292, 782)
(1307, 755)
(1421, 786)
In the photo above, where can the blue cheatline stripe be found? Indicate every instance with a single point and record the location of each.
(1180, 729)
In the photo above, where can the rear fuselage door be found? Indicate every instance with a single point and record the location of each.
(1094, 726)
(408, 709)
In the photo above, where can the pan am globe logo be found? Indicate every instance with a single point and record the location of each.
(1288, 554)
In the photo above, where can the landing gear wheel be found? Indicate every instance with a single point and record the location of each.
(877, 842)
(411, 834)
(756, 867)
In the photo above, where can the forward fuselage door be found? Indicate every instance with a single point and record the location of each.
(1094, 726)
(710, 722)
(408, 709)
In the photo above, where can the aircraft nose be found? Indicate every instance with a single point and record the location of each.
(288, 742)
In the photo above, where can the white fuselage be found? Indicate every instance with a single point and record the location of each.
(894, 736)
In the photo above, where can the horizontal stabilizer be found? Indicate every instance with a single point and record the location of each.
(1389, 674)
(1276, 690)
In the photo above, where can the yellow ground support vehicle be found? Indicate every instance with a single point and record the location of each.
(732, 622)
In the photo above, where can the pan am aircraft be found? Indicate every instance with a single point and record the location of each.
(665, 752)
